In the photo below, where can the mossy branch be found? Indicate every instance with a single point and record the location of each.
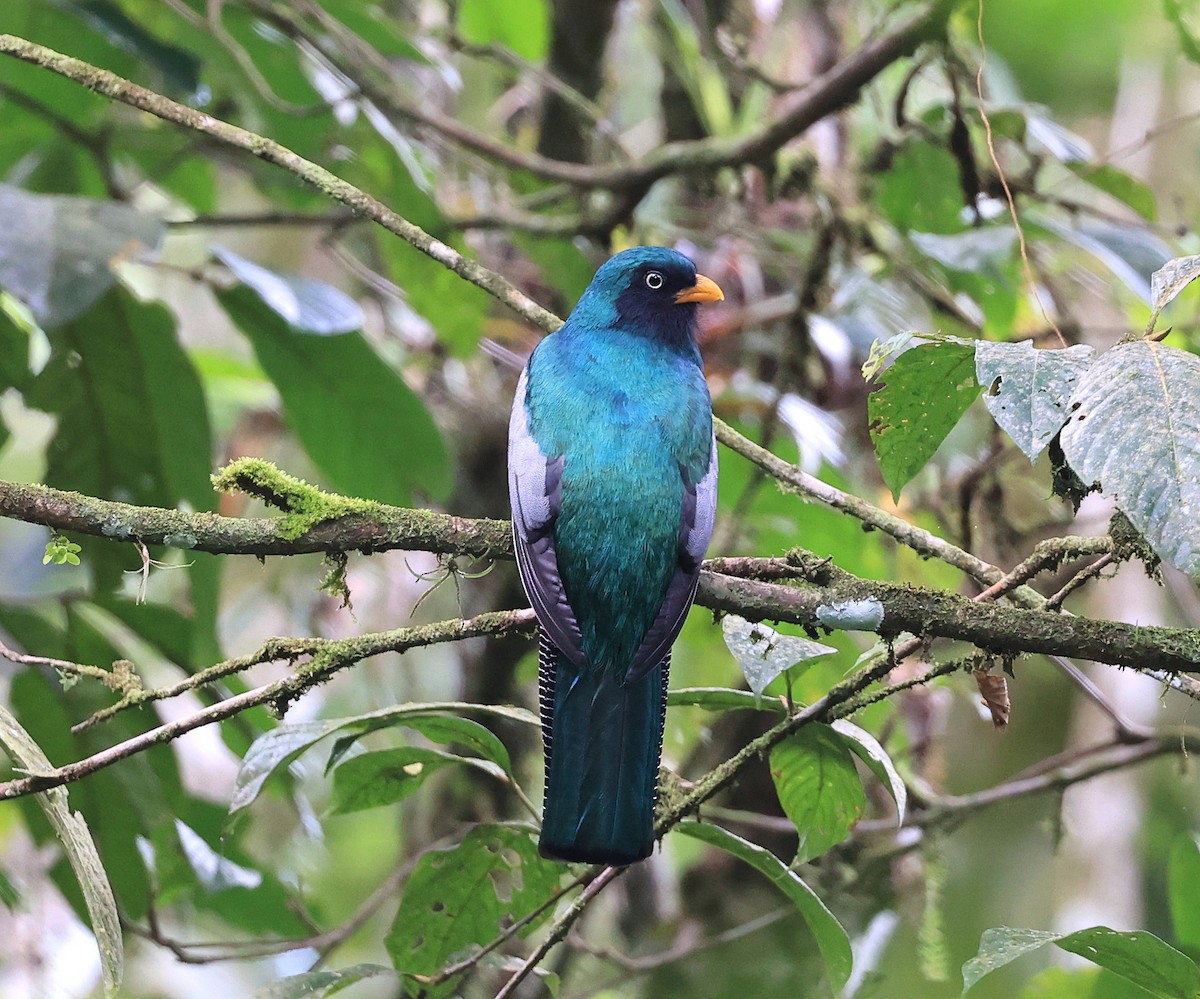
(802, 589)
(323, 657)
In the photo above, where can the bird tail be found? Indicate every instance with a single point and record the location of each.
(603, 742)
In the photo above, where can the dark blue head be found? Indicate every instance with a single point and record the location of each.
(651, 291)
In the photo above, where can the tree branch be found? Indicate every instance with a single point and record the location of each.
(119, 89)
(328, 657)
(820, 602)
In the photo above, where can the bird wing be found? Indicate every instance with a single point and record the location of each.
(695, 531)
(535, 493)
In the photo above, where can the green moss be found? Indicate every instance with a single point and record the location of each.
(303, 505)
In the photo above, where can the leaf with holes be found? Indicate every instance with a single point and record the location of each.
(1138, 957)
(1134, 428)
(391, 775)
(455, 900)
(763, 653)
(920, 399)
(1027, 390)
(818, 787)
(437, 721)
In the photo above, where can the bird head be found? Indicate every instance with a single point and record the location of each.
(651, 291)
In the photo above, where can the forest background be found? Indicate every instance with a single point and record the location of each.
(933, 711)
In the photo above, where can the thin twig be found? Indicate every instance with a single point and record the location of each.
(560, 928)
(333, 656)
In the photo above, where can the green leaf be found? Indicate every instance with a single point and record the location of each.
(180, 69)
(131, 417)
(435, 727)
(818, 787)
(456, 899)
(304, 304)
(132, 425)
(80, 849)
(868, 749)
(920, 190)
(1027, 390)
(339, 396)
(831, 938)
(1138, 957)
(1135, 429)
(58, 250)
(281, 745)
(1080, 983)
(1120, 185)
(391, 775)
(720, 699)
(1183, 874)
(455, 309)
(521, 25)
(702, 79)
(321, 984)
(920, 399)
(763, 653)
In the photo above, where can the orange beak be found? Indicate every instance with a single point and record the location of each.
(704, 290)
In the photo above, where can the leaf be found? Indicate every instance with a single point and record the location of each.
(435, 727)
(1123, 186)
(868, 749)
(920, 190)
(763, 653)
(275, 748)
(339, 395)
(1135, 429)
(304, 304)
(999, 946)
(1138, 957)
(1183, 874)
(818, 787)
(57, 251)
(80, 849)
(1170, 279)
(1027, 390)
(391, 775)
(320, 984)
(831, 938)
(719, 699)
(456, 899)
(920, 399)
(521, 25)
(180, 68)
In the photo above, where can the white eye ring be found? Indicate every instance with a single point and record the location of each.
(654, 280)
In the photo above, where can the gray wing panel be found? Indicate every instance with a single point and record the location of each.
(695, 532)
(534, 492)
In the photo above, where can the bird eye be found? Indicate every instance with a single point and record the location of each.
(654, 280)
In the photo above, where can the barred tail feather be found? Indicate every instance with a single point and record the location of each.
(603, 743)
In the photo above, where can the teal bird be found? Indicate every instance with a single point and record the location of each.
(612, 472)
